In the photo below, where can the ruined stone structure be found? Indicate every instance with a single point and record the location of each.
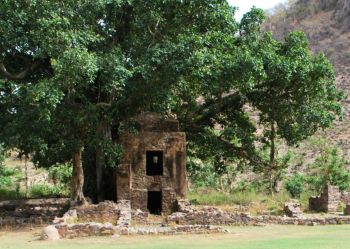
(25, 212)
(152, 172)
(328, 201)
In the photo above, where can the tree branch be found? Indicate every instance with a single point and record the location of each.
(17, 76)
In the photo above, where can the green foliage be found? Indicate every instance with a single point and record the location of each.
(61, 175)
(329, 167)
(295, 185)
(45, 191)
(273, 172)
(69, 66)
(201, 174)
(8, 176)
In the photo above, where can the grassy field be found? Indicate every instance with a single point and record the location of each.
(270, 237)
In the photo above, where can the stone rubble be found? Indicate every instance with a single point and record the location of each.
(187, 220)
(292, 209)
(98, 229)
(25, 212)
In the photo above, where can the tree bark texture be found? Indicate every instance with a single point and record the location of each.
(77, 195)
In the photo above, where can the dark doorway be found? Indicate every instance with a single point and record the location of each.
(154, 202)
(154, 163)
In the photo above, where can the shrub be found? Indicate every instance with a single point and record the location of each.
(295, 185)
(44, 190)
(201, 174)
(11, 194)
(61, 175)
(329, 167)
(8, 176)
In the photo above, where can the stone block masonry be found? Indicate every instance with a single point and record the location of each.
(152, 170)
(328, 201)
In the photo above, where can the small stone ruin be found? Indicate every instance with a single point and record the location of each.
(152, 170)
(113, 219)
(327, 202)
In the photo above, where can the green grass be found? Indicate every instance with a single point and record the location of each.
(270, 237)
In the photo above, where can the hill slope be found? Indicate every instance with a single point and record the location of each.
(327, 25)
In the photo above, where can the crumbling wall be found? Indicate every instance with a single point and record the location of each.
(103, 212)
(327, 202)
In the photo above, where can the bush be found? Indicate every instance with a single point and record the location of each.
(201, 174)
(8, 176)
(11, 194)
(61, 175)
(295, 185)
(44, 190)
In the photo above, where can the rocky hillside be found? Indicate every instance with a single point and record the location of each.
(327, 25)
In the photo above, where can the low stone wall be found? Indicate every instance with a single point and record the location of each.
(104, 212)
(188, 215)
(18, 213)
(244, 219)
(85, 229)
(98, 229)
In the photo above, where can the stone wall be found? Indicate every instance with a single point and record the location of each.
(214, 216)
(104, 212)
(98, 229)
(18, 213)
(155, 135)
(328, 201)
(188, 215)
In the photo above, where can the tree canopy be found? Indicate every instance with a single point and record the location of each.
(72, 73)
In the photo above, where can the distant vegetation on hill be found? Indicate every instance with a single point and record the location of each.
(327, 25)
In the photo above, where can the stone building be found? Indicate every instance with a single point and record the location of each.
(152, 172)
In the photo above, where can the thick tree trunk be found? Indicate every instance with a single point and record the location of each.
(104, 133)
(77, 195)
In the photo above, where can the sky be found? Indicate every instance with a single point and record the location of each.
(245, 5)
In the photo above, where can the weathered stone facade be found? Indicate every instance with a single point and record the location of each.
(152, 172)
(328, 201)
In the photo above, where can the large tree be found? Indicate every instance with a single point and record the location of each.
(72, 73)
(72, 69)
